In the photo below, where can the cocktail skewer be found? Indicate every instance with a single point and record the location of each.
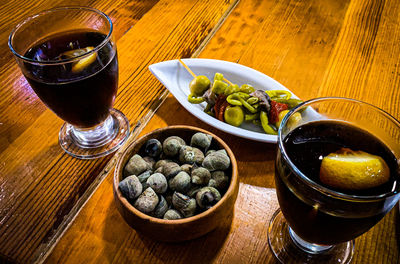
(226, 80)
(187, 68)
(194, 75)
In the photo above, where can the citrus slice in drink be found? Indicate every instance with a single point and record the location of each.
(86, 61)
(82, 63)
(353, 170)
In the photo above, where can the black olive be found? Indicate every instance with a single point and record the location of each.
(153, 148)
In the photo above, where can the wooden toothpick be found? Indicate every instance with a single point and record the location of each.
(194, 75)
(187, 68)
(226, 80)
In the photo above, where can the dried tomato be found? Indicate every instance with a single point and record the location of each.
(276, 108)
(220, 114)
(221, 99)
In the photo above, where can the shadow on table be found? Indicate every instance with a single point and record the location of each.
(200, 250)
(133, 247)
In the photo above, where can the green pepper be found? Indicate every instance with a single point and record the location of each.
(232, 89)
(278, 94)
(252, 100)
(219, 87)
(256, 106)
(250, 117)
(195, 100)
(239, 100)
(218, 76)
(233, 99)
(290, 102)
(264, 123)
(243, 95)
(247, 105)
(247, 88)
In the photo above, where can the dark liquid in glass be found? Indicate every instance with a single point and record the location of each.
(83, 98)
(336, 220)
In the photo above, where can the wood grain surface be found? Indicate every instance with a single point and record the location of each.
(315, 48)
(42, 188)
(100, 227)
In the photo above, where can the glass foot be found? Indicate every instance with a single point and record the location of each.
(290, 248)
(98, 141)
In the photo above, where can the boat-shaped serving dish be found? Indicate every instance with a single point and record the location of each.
(176, 78)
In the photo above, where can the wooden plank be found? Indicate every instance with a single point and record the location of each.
(289, 41)
(43, 185)
(365, 62)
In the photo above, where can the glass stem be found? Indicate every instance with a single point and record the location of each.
(96, 136)
(306, 246)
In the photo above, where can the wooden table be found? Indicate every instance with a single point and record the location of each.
(57, 209)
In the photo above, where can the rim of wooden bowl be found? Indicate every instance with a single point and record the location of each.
(119, 171)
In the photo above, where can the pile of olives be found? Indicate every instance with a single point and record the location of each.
(173, 180)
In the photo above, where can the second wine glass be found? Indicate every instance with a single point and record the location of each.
(317, 222)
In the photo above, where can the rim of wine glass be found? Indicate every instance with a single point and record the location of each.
(45, 12)
(312, 183)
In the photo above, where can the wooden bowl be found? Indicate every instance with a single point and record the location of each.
(182, 229)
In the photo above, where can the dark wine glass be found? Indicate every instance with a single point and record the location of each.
(69, 57)
(317, 223)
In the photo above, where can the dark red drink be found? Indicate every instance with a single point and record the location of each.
(82, 91)
(326, 219)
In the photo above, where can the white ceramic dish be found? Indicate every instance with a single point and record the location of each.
(176, 78)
